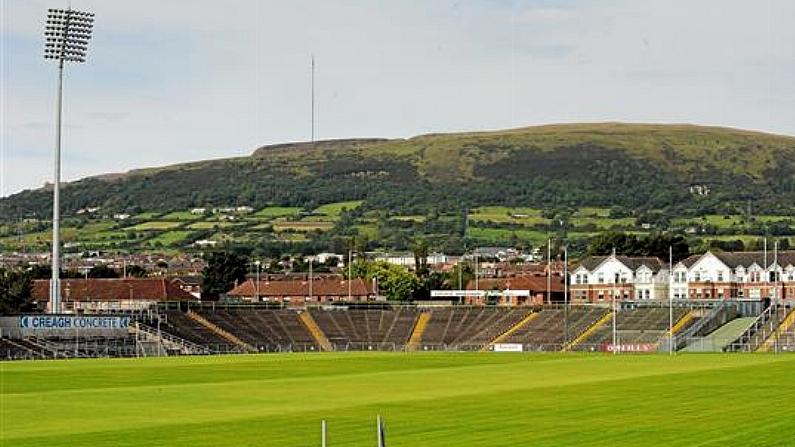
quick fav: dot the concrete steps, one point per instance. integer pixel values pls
(721, 337)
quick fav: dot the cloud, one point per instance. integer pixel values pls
(543, 15)
(108, 116)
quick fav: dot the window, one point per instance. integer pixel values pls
(601, 296)
(601, 278)
(697, 276)
(720, 276)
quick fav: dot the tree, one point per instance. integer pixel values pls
(604, 244)
(136, 271)
(223, 270)
(102, 271)
(421, 259)
(16, 292)
(394, 281)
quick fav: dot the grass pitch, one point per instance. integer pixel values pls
(427, 400)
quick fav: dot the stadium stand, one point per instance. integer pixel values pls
(763, 327)
(719, 339)
(265, 330)
(548, 333)
(773, 340)
(469, 328)
(236, 328)
(360, 329)
(641, 325)
(21, 350)
(178, 323)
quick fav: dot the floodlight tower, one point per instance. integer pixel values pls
(66, 39)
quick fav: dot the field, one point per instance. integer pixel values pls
(426, 399)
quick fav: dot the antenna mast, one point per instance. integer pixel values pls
(313, 99)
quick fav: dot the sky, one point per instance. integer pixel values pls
(176, 81)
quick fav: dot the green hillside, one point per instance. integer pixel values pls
(636, 166)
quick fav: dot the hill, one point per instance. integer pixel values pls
(635, 166)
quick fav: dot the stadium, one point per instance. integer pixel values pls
(219, 374)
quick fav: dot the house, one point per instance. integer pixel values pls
(117, 294)
(303, 292)
(517, 291)
(752, 275)
(408, 260)
(599, 279)
(189, 283)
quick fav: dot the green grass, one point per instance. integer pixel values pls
(181, 215)
(503, 214)
(334, 209)
(209, 225)
(603, 223)
(146, 216)
(772, 218)
(276, 211)
(171, 237)
(147, 226)
(302, 226)
(716, 220)
(427, 400)
(501, 236)
(590, 211)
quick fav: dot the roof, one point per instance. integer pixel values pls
(632, 262)
(116, 289)
(323, 287)
(635, 262)
(531, 283)
(690, 260)
(193, 280)
(760, 258)
(591, 262)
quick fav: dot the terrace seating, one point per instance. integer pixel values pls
(473, 326)
(634, 326)
(345, 328)
(21, 350)
(179, 324)
(548, 330)
(263, 329)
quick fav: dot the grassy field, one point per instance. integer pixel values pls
(427, 400)
(276, 211)
(334, 209)
(156, 225)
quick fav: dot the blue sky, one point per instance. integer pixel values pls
(176, 81)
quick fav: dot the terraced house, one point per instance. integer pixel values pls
(600, 279)
(755, 275)
(766, 276)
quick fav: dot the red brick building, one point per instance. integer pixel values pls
(517, 291)
(302, 292)
(103, 294)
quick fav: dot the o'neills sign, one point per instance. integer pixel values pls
(629, 347)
